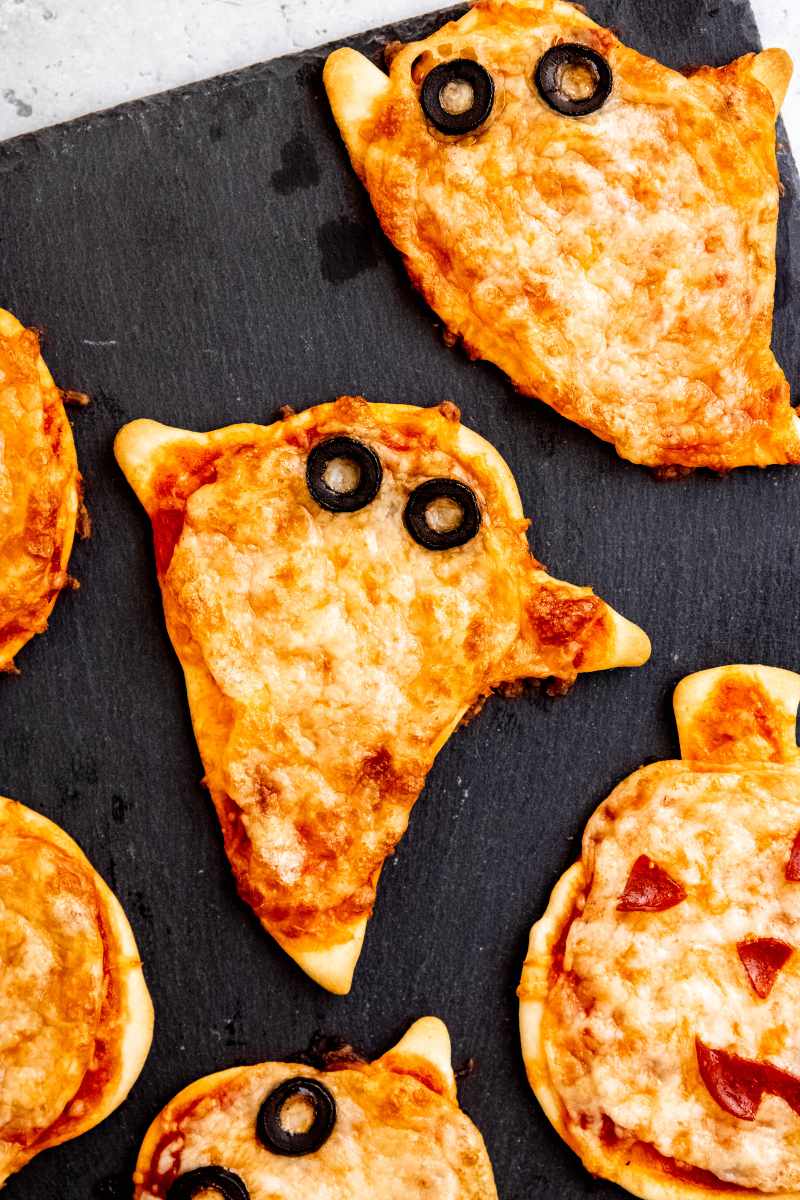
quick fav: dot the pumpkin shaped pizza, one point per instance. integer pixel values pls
(341, 587)
(40, 490)
(384, 1130)
(597, 225)
(75, 1013)
(659, 998)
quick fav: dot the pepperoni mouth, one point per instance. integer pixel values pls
(738, 1085)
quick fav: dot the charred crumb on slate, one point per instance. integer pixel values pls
(326, 1052)
(83, 525)
(465, 1069)
(346, 249)
(79, 399)
(299, 168)
(559, 687)
(670, 474)
(513, 689)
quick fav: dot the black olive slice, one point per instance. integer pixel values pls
(441, 514)
(458, 96)
(208, 1179)
(574, 79)
(271, 1132)
(343, 475)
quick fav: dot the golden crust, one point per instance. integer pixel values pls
(40, 489)
(72, 992)
(399, 1130)
(619, 267)
(317, 720)
(738, 780)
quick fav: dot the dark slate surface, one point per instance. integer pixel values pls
(204, 257)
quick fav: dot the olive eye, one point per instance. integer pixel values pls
(574, 79)
(441, 514)
(458, 96)
(296, 1101)
(343, 475)
(208, 1179)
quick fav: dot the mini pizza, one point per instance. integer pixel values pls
(381, 1130)
(600, 227)
(40, 490)
(659, 998)
(341, 587)
(76, 1020)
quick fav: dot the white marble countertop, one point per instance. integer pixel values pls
(63, 58)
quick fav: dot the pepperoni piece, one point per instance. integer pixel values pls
(738, 1084)
(762, 959)
(793, 865)
(649, 888)
(608, 1131)
(167, 529)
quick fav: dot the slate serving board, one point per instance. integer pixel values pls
(204, 257)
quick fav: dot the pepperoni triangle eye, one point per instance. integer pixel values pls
(762, 959)
(793, 865)
(649, 888)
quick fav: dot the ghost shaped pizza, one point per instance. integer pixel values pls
(75, 1016)
(40, 490)
(387, 1129)
(341, 587)
(659, 998)
(600, 227)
